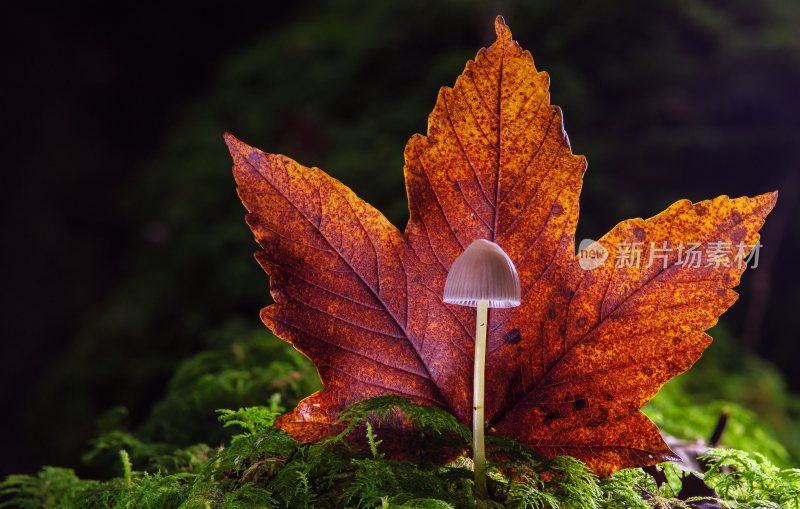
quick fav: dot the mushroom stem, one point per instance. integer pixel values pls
(478, 452)
(482, 276)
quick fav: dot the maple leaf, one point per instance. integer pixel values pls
(566, 372)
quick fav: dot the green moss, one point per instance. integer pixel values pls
(264, 467)
(250, 463)
(752, 480)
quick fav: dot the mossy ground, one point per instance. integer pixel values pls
(246, 462)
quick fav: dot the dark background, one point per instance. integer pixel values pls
(124, 249)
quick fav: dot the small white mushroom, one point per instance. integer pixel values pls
(483, 276)
(483, 272)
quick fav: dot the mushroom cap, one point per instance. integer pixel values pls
(483, 272)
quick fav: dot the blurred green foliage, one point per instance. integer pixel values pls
(248, 368)
(343, 87)
(763, 414)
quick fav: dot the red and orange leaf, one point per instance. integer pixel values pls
(568, 370)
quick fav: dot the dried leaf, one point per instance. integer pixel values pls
(568, 370)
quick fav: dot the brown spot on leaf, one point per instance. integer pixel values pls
(512, 337)
(551, 416)
(600, 417)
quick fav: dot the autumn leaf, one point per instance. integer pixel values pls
(566, 372)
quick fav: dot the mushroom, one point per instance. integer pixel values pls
(483, 277)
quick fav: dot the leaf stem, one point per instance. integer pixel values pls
(478, 452)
